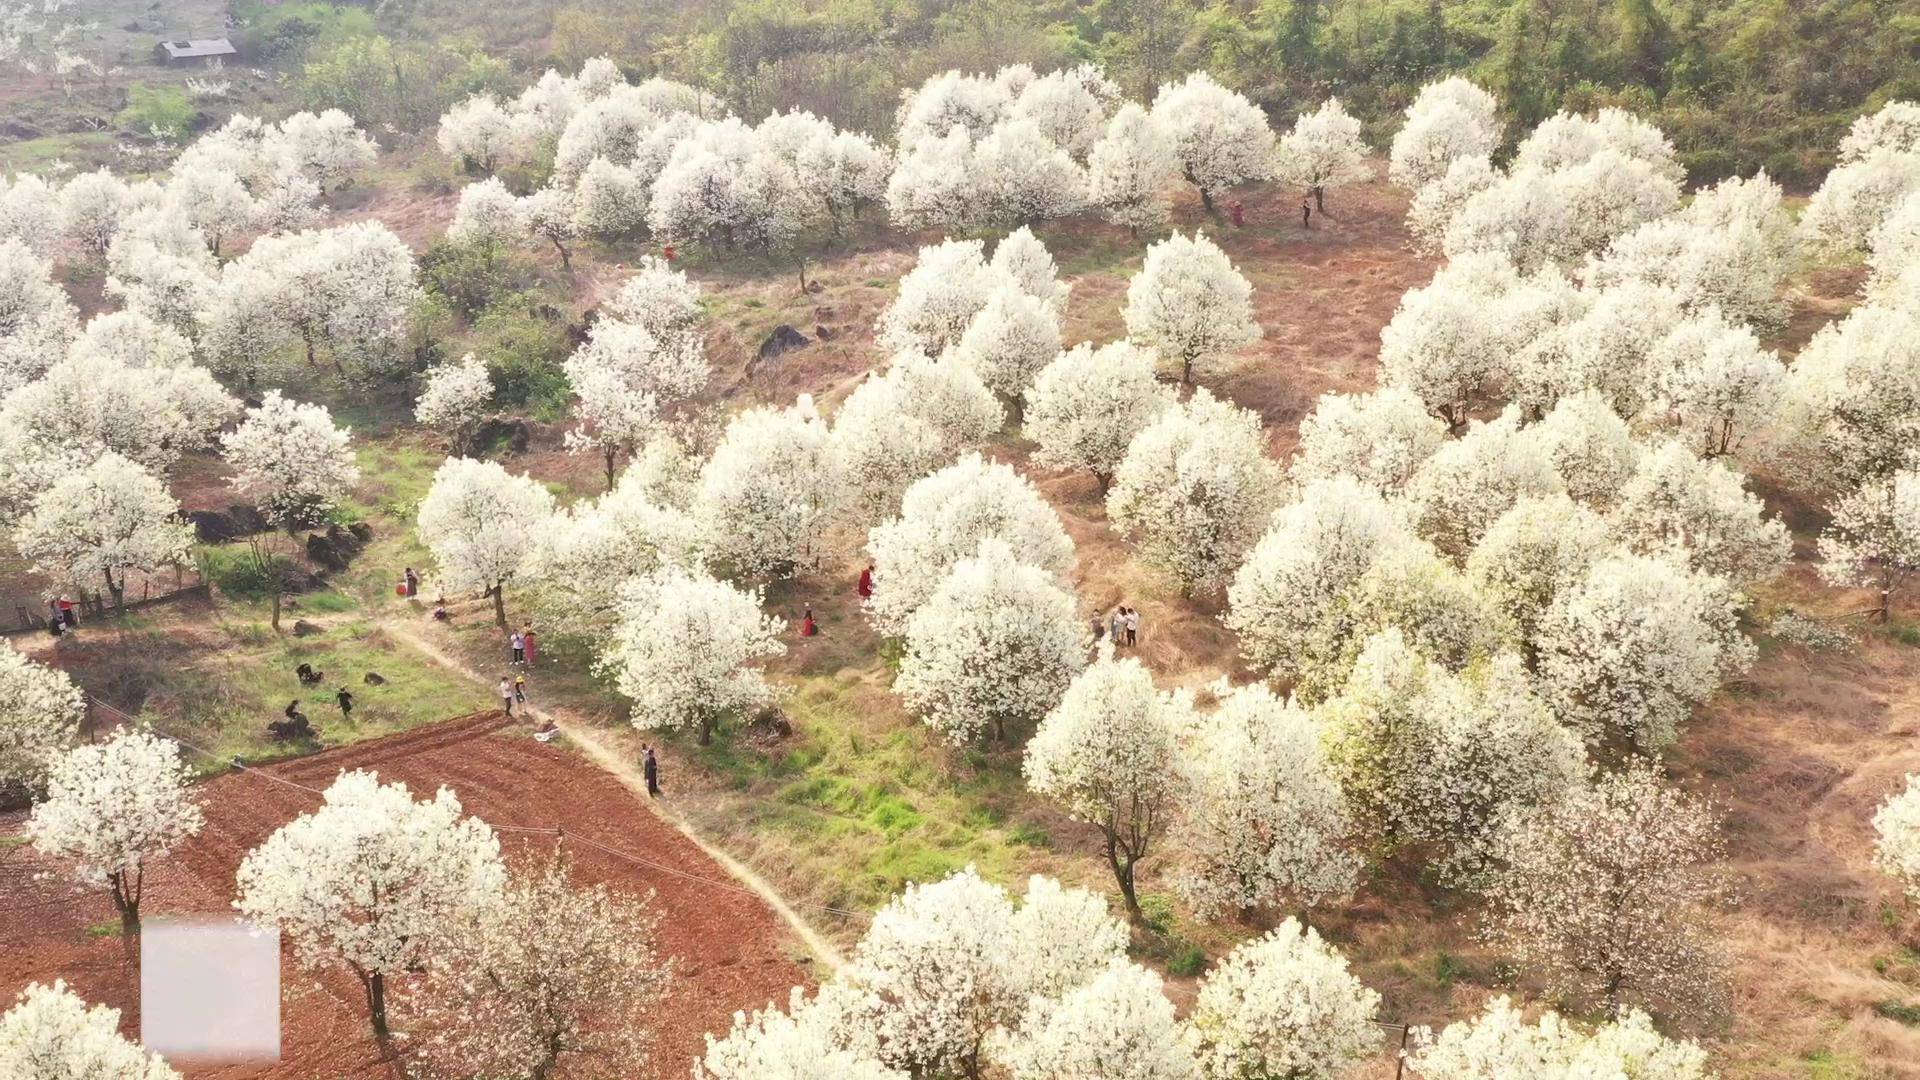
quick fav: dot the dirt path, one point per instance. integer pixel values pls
(601, 752)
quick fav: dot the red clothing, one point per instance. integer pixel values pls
(527, 641)
(866, 583)
(807, 629)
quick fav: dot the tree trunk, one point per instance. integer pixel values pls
(377, 1004)
(118, 592)
(612, 453)
(1186, 371)
(275, 618)
(126, 900)
(1320, 199)
(499, 591)
(801, 263)
(1123, 875)
(566, 257)
(706, 731)
(1206, 203)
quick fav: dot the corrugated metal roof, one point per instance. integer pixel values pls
(186, 50)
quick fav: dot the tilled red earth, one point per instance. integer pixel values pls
(730, 951)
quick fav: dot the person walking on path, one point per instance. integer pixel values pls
(865, 587)
(520, 688)
(1133, 627)
(528, 642)
(808, 627)
(506, 695)
(413, 583)
(518, 643)
(346, 704)
(1238, 212)
(1306, 213)
(651, 766)
(1117, 626)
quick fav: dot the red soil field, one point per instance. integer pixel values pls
(729, 950)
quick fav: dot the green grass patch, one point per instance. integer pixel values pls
(110, 928)
(1900, 1011)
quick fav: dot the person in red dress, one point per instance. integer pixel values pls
(807, 627)
(866, 582)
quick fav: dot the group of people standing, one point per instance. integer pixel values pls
(1123, 626)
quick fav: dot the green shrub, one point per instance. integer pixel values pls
(162, 109)
(469, 277)
(1191, 960)
(523, 352)
(1156, 910)
(234, 572)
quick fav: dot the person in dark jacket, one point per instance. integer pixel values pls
(651, 766)
(346, 704)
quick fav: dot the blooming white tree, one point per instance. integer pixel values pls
(590, 548)
(1500, 1042)
(373, 880)
(1069, 106)
(950, 101)
(326, 147)
(1541, 547)
(800, 1045)
(1129, 169)
(158, 264)
(1858, 196)
(1085, 407)
(1636, 645)
(943, 519)
(454, 400)
(1561, 209)
(1283, 1004)
(479, 134)
(1295, 579)
(1010, 340)
(90, 207)
(685, 650)
(938, 298)
(1700, 512)
(101, 523)
(1561, 869)
(291, 458)
(1734, 269)
(1428, 757)
(1220, 139)
(37, 321)
(770, 488)
(1119, 1026)
(1873, 541)
(1381, 438)
(1852, 404)
(347, 293)
(50, 1034)
(1023, 261)
(112, 808)
(994, 646)
(1265, 823)
(40, 712)
(481, 524)
(1437, 202)
(1608, 346)
(1588, 445)
(932, 185)
(1324, 150)
(1106, 753)
(490, 215)
(1019, 177)
(1717, 381)
(29, 213)
(547, 976)
(1474, 479)
(1449, 120)
(1189, 302)
(946, 966)
(1896, 827)
(900, 426)
(1195, 489)
(1566, 140)
(847, 170)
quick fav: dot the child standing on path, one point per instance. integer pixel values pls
(520, 688)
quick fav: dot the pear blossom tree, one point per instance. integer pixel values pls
(1608, 346)
(1264, 823)
(1561, 869)
(595, 545)
(296, 465)
(1449, 120)
(1069, 106)
(1717, 380)
(90, 207)
(1858, 196)
(1324, 150)
(1896, 827)
(1107, 754)
(50, 1034)
(1438, 201)
(1700, 512)
(902, 425)
(1283, 1004)
(1189, 302)
(37, 321)
(1588, 446)
(454, 400)
(102, 522)
(1474, 479)
(1129, 170)
(1381, 438)
(489, 215)
(374, 881)
(1119, 1026)
(1010, 340)
(994, 647)
(1195, 488)
(1500, 1042)
(550, 975)
(481, 525)
(1021, 177)
(951, 101)
(770, 488)
(327, 147)
(933, 184)
(479, 134)
(1630, 650)
(685, 650)
(40, 713)
(797, 1045)
(1873, 541)
(938, 298)
(1851, 409)
(847, 170)
(1023, 261)
(943, 518)
(112, 808)
(1220, 139)
(1085, 406)
(1541, 547)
